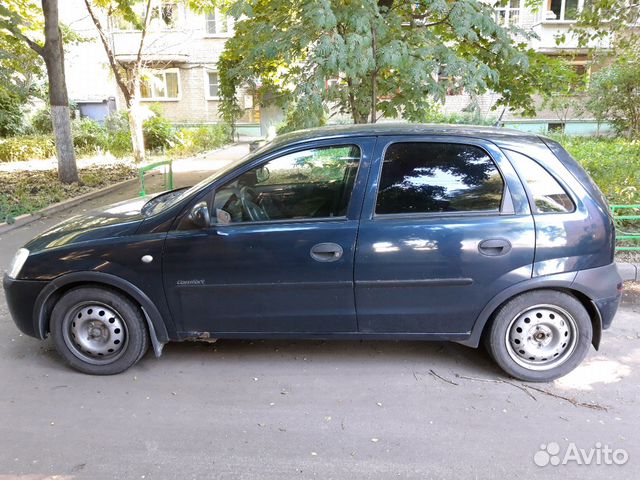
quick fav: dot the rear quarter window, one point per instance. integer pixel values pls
(547, 194)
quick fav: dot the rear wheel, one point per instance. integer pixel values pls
(98, 331)
(540, 335)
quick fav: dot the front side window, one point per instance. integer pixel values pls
(314, 183)
(547, 194)
(438, 177)
(160, 85)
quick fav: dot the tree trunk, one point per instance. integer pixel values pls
(135, 119)
(53, 55)
(135, 126)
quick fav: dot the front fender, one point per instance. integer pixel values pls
(46, 299)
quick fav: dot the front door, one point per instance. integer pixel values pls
(445, 227)
(279, 255)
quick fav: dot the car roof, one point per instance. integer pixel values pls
(378, 129)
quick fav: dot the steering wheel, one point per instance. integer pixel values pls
(254, 211)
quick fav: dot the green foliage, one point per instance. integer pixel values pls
(29, 193)
(614, 95)
(613, 163)
(20, 66)
(88, 136)
(27, 147)
(11, 116)
(191, 141)
(116, 126)
(371, 58)
(608, 19)
(41, 122)
(464, 118)
(159, 134)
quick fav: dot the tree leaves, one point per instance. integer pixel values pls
(369, 58)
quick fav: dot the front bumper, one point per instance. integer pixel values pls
(21, 298)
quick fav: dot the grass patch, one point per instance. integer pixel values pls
(613, 163)
(28, 192)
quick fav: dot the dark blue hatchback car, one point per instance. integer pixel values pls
(371, 232)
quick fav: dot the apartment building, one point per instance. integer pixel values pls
(182, 49)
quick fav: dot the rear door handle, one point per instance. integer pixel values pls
(494, 247)
(326, 252)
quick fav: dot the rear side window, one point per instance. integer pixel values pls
(438, 177)
(548, 195)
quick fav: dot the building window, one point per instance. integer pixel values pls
(213, 83)
(559, 10)
(509, 14)
(160, 85)
(217, 23)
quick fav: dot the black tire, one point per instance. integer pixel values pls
(98, 331)
(539, 336)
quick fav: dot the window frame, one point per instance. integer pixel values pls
(164, 72)
(563, 11)
(363, 165)
(530, 197)
(507, 10)
(216, 34)
(207, 84)
(507, 205)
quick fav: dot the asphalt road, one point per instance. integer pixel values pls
(310, 409)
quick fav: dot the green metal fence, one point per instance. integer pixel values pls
(627, 221)
(168, 175)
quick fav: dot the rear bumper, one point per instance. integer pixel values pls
(21, 298)
(603, 286)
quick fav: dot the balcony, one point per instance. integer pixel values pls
(549, 29)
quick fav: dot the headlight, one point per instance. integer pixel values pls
(18, 261)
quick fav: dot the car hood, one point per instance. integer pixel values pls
(115, 220)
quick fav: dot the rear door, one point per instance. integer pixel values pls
(445, 227)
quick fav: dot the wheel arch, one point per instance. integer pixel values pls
(50, 295)
(565, 285)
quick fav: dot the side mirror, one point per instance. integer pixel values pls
(199, 215)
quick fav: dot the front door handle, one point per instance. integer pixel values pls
(494, 247)
(326, 252)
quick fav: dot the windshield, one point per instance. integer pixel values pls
(168, 199)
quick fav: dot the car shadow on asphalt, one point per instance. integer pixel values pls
(424, 356)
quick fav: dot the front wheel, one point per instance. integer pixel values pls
(98, 331)
(540, 335)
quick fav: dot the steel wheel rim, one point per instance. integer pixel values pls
(95, 333)
(541, 337)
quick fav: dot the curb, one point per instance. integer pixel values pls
(629, 271)
(28, 218)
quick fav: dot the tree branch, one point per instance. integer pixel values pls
(110, 54)
(33, 45)
(143, 34)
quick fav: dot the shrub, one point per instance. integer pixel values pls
(191, 141)
(28, 147)
(118, 134)
(159, 134)
(88, 136)
(11, 117)
(613, 163)
(41, 122)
